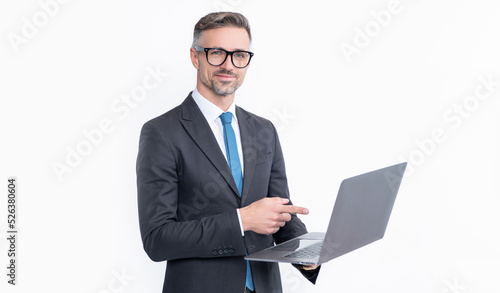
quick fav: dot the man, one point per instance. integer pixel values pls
(211, 177)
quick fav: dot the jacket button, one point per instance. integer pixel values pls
(231, 251)
(214, 252)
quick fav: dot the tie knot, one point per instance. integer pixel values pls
(226, 117)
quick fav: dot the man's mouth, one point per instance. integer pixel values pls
(225, 76)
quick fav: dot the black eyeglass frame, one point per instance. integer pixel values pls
(201, 49)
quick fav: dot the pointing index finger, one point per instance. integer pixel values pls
(295, 210)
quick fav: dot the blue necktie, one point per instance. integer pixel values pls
(233, 160)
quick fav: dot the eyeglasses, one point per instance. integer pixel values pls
(217, 56)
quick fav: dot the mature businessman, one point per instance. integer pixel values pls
(211, 176)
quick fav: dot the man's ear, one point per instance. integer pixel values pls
(194, 58)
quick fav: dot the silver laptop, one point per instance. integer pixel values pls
(360, 216)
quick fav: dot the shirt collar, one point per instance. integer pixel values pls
(210, 110)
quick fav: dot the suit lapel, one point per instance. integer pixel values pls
(248, 135)
(197, 127)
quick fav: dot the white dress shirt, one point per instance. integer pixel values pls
(211, 113)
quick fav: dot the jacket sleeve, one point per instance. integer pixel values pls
(295, 227)
(278, 187)
(163, 236)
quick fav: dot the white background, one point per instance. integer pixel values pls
(395, 97)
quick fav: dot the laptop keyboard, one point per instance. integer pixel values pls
(311, 251)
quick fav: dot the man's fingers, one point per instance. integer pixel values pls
(284, 217)
(281, 200)
(290, 208)
(294, 210)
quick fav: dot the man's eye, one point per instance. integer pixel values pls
(239, 54)
(215, 52)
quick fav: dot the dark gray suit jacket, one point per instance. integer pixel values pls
(188, 199)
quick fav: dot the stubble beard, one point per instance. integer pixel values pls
(223, 88)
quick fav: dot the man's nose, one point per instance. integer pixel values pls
(228, 64)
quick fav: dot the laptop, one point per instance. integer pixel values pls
(360, 216)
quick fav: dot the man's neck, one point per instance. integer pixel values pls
(221, 101)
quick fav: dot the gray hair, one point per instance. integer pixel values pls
(218, 20)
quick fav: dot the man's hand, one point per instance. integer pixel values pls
(267, 215)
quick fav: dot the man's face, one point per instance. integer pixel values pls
(226, 78)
